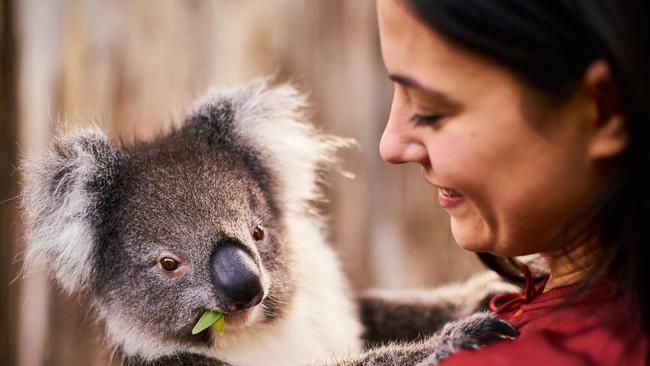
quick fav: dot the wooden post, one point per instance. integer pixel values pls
(8, 188)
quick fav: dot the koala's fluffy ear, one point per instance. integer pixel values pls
(61, 196)
(273, 120)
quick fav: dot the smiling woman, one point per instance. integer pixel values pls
(528, 118)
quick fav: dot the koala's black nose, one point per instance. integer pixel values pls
(236, 277)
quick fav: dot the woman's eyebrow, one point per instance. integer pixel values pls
(410, 83)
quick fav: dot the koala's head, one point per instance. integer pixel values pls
(157, 232)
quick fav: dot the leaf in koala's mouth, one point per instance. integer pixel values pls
(208, 318)
(220, 325)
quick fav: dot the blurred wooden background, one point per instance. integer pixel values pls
(132, 67)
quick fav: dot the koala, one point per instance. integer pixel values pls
(216, 214)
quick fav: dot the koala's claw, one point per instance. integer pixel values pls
(489, 329)
(506, 330)
(495, 326)
(470, 334)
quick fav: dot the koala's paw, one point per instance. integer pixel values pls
(469, 334)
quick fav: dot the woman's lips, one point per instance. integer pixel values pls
(449, 198)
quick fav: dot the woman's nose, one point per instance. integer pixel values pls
(400, 143)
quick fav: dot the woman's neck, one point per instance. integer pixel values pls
(571, 266)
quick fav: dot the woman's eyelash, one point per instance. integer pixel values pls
(426, 120)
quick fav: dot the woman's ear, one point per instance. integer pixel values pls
(610, 133)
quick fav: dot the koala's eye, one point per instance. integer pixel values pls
(168, 264)
(258, 233)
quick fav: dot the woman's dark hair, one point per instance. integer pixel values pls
(549, 44)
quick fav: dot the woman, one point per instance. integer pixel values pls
(530, 119)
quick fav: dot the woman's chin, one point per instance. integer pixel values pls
(475, 247)
(471, 239)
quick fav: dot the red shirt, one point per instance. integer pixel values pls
(599, 328)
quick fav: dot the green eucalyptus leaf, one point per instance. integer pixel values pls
(220, 325)
(208, 318)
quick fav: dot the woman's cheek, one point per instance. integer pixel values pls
(474, 225)
(456, 167)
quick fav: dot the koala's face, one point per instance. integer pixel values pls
(191, 225)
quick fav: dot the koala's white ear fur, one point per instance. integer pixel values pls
(60, 196)
(273, 120)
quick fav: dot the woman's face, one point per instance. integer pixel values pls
(509, 169)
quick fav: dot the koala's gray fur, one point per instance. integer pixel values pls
(100, 217)
(409, 315)
(422, 327)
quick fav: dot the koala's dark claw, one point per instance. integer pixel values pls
(471, 333)
(505, 330)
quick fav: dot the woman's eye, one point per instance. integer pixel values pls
(258, 233)
(426, 120)
(168, 264)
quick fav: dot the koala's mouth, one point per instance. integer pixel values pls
(246, 316)
(240, 319)
(237, 319)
